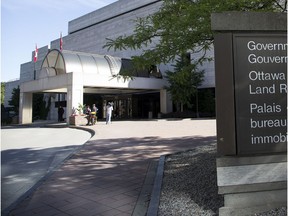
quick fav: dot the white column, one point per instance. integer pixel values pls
(74, 94)
(25, 108)
(165, 102)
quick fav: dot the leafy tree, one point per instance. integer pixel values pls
(2, 92)
(181, 26)
(183, 82)
(14, 102)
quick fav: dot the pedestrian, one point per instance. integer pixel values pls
(60, 113)
(88, 114)
(109, 109)
(93, 114)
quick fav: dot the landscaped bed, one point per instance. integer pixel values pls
(190, 185)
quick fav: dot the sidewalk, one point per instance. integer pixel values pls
(106, 177)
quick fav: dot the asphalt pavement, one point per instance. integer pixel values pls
(29, 154)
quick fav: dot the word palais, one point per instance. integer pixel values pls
(84, 72)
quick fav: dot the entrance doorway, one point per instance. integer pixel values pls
(126, 106)
(122, 106)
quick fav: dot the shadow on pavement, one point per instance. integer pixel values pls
(21, 169)
(105, 175)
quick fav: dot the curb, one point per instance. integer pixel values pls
(91, 131)
(156, 191)
(143, 200)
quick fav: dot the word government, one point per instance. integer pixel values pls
(252, 45)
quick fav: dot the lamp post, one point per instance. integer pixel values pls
(197, 107)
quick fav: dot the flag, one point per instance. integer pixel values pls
(61, 42)
(36, 54)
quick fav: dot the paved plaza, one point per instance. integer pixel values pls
(107, 175)
(28, 154)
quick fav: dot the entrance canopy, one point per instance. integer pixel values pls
(56, 63)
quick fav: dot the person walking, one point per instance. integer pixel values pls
(93, 117)
(88, 113)
(109, 109)
(60, 114)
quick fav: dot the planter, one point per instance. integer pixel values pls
(78, 120)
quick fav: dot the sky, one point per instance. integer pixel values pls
(25, 23)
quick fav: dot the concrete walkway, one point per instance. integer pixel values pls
(106, 177)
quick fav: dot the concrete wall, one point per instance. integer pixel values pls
(26, 72)
(115, 9)
(108, 22)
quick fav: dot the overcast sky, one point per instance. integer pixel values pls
(25, 23)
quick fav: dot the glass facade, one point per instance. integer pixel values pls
(126, 106)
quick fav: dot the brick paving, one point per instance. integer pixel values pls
(106, 177)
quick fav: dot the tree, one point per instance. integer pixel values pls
(207, 102)
(181, 26)
(2, 92)
(183, 82)
(14, 102)
(40, 109)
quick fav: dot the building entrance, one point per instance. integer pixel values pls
(126, 106)
(122, 106)
(136, 106)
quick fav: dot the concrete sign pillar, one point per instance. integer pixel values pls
(25, 109)
(251, 99)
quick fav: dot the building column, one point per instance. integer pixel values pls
(74, 94)
(166, 105)
(25, 108)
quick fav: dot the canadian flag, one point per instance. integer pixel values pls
(36, 54)
(61, 42)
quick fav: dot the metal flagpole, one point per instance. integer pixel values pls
(35, 60)
(61, 42)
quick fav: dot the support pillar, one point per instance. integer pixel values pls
(74, 94)
(25, 108)
(165, 102)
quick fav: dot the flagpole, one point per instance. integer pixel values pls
(35, 60)
(61, 42)
(34, 71)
